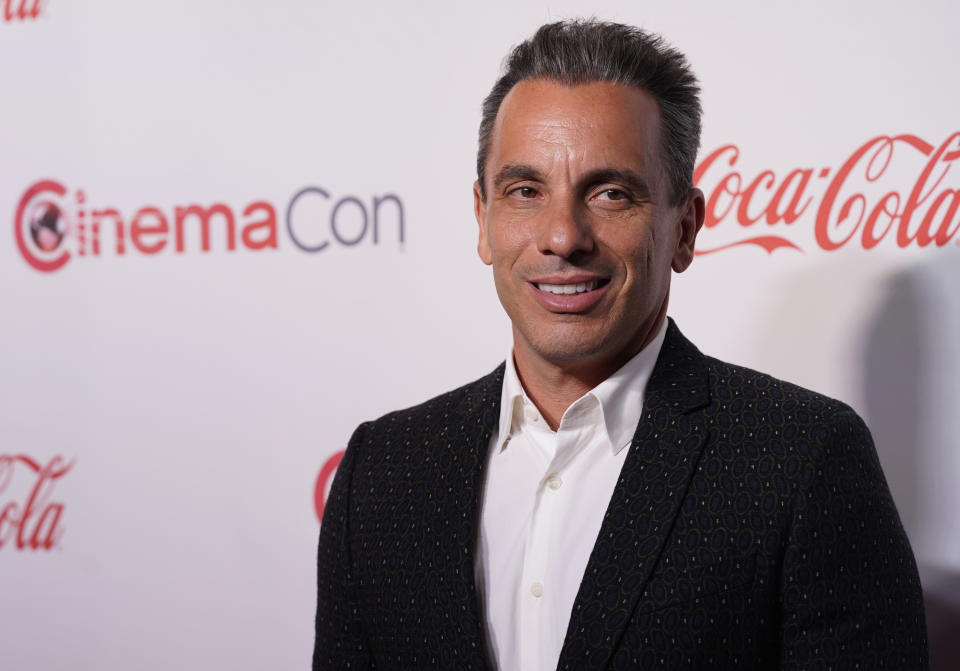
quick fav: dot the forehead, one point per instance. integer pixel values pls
(585, 127)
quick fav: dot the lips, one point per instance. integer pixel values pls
(569, 295)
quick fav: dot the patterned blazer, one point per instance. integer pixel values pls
(751, 528)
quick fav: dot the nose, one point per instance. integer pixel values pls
(565, 229)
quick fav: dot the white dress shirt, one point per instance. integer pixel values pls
(544, 497)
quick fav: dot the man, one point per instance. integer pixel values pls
(609, 497)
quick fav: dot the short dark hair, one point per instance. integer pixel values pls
(584, 51)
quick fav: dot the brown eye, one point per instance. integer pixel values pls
(526, 192)
(612, 198)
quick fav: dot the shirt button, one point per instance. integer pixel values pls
(554, 483)
(536, 589)
(532, 414)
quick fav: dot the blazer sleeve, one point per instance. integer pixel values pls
(340, 641)
(850, 592)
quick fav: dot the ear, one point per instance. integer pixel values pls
(480, 211)
(690, 222)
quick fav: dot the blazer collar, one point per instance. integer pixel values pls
(453, 501)
(645, 502)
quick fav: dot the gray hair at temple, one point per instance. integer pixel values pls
(585, 51)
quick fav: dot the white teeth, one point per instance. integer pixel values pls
(569, 288)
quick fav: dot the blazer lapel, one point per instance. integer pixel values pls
(645, 502)
(455, 507)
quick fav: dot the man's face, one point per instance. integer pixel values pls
(577, 223)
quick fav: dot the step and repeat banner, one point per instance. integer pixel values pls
(232, 231)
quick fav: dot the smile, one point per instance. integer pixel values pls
(579, 288)
(573, 295)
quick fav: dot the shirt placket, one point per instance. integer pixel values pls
(534, 597)
(536, 609)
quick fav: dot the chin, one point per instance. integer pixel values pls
(566, 351)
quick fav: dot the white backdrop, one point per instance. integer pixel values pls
(194, 396)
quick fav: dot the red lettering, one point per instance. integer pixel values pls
(822, 223)
(204, 216)
(23, 12)
(917, 197)
(708, 160)
(712, 218)
(794, 209)
(47, 532)
(268, 224)
(870, 239)
(139, 230)
(28, 509)
(99, 215)
(8, 516)
(15, 520)
(843, 211)
(943, 234)
(743, 215)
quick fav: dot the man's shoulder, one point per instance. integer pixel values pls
(748, 401)
(731, 382)
(730, 388)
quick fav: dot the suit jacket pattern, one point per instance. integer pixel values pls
(751, 528)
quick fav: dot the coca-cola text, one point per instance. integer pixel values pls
(856, 207)
(32, 523)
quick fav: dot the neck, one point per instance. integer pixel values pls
(553, 386)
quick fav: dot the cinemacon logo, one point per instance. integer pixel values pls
(53, 224)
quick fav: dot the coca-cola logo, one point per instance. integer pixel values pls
(324, 479)
(865, 202)
(21, 10)
(52, 225)
(29, 519)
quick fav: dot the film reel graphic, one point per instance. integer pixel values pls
(41, 226)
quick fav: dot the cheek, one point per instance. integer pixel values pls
(508, 240)
(631, 246)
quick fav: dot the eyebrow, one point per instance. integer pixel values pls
(518, 171)
(629, 178)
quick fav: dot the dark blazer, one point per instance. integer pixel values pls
(751, 528)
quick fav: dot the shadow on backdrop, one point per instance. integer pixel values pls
(913, 427)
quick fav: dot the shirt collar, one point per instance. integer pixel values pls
(512, 398)
(620, 396)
